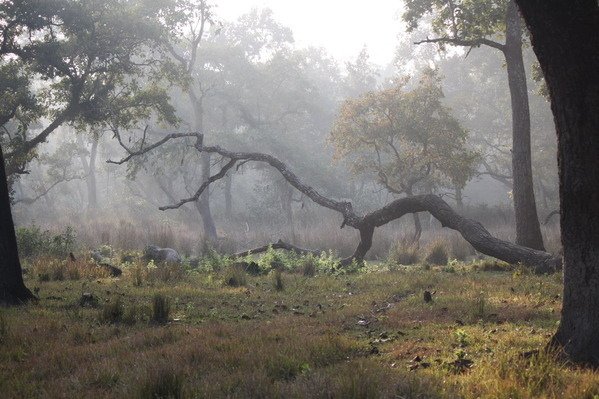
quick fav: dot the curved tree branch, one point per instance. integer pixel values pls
(472, 231)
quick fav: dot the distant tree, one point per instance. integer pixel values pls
(89, 60)
(189, 23)
(407, 138)
(475, 23)
(565, 39)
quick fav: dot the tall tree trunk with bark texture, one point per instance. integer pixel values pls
(12, 287)
(528, 228)
(566, 40)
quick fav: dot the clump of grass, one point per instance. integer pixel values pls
(459, 248)
(480, 305)
(3, 328)
(437, 253)
(285, 368)
(403, 253)
(164, 383)
(308, 267)
(277, 280)
(112, 312)
(161, 309)
(52, 269)
(235, 276)
(490, 265)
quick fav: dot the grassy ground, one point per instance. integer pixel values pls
(362, 335)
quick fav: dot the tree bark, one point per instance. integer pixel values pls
(203, 203)
(565, 39)
(528, 229)
(472, 231)
(12, 287)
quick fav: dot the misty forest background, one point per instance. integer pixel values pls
(258, 91)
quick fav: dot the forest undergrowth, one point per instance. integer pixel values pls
(281, 325)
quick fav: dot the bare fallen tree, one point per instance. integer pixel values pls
(472, 231)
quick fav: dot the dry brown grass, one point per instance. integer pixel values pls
(340, 336)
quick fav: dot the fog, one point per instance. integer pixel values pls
(295, 80)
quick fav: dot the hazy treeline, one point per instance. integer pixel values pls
(261, 92)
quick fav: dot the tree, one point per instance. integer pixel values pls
(189, 22)
(564, 37)
(473, 24)
(407, 139)
(88, 60)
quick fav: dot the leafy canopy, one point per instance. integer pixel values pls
(407, 138)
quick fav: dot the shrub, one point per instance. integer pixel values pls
(308, 266)
(51, 269)
(112, 312)
(277, 279)
(403, 253)
(437, 254)
(271, 260)
(162, 384)
(32, 242)
(235, 276)
(161, 309)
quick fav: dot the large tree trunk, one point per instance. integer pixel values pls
(565, 39)
(12, 287)
(528, 229)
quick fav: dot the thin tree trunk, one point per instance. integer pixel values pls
(287, 206)
(565, 39)
(229, 196)
(528, 229)
(203, 203)
(92, 188)
(12, 287)
(459, 199)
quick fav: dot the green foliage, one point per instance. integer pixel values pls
(406, 137)
(464, 19)
(212, 261)
(272, 259)
(33, 241)
(92, 67)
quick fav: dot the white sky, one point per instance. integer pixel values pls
(342, 27)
